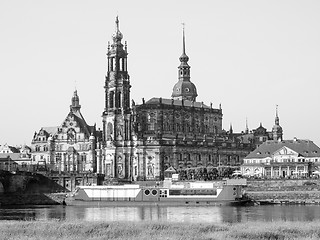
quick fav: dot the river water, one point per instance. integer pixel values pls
(205, 214)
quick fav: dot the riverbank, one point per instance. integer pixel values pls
(284, 191)
(82, 230)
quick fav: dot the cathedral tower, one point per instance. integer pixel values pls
(184, 89)
(117, 112)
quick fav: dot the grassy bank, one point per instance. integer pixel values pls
(157, 230)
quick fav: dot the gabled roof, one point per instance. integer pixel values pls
(305, 148)
(50, 130)
(82, 122)
(167, 101)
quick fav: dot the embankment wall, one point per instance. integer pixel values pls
(285, 190)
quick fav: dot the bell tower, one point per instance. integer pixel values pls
(117, 112)
(184, 89)
(117, 83)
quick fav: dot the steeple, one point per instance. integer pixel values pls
(277, 117)
(247, 128)
(277, 131)
(184, 89)
(231, 129)
(75, 106)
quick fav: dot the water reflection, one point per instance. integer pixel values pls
(208, 214)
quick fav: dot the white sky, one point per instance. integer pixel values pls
(247, 55)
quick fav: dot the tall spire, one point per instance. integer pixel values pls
(247, 128)
(184, 89)
(184, 58)
(277, 129)
(184, 44)
(277, 117)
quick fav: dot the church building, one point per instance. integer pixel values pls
(140, 141)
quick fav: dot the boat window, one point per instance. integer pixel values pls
(154, 192)
(147, 192)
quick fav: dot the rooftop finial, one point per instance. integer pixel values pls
(117, 36)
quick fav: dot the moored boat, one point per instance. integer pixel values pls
(168, 192)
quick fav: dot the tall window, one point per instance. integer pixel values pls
(111, 99)
(119, 100)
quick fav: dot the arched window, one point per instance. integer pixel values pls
(120, 64)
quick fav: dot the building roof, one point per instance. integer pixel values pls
(51, 130)
(167, 101)
(305, 148)
(13, 156)
(11, 149)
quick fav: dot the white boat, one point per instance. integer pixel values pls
(168, 192)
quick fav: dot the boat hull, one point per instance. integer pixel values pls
(96, 203)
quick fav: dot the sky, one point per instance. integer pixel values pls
(248, 55)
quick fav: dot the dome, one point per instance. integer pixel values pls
(184, 58)
(184, 90)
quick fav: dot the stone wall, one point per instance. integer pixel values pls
(283, 185)
(303, 191)
(31, 199)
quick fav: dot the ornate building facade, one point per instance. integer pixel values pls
(70, 147)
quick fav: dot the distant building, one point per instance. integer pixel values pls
(8, 149)
(282, 159)
(15, 158)
(261, 134)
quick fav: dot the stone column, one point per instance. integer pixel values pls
(280, 171)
